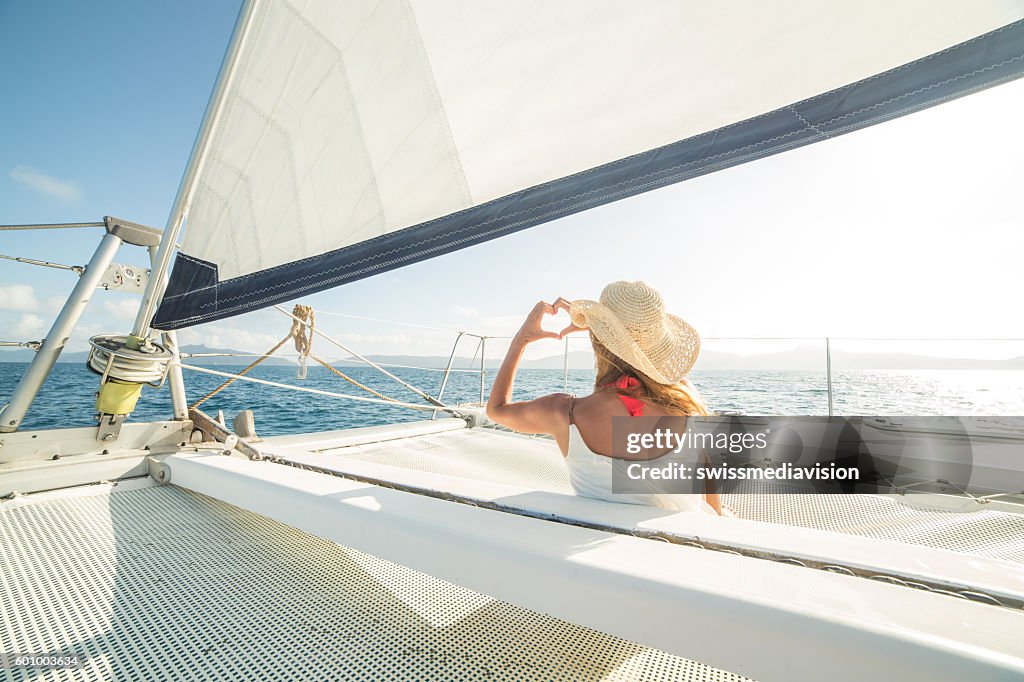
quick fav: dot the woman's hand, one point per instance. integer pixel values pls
(531, 330)
(563, 304)
(548, 414)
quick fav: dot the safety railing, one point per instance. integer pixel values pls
(826, 339)
(826, 343)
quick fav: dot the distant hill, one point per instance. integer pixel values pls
(224, 357)
(813, 357)
(802, 358)
(221, 360)
(577, 360)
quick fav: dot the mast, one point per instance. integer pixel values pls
(214, 109)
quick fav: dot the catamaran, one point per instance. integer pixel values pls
(346, 139)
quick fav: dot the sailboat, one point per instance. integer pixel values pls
(343, 140)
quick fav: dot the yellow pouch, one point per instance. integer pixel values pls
(117, 397)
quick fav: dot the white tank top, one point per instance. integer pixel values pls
(591, 476)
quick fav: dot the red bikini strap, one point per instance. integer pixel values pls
(635, 406)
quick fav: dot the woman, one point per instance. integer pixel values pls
(642, 355)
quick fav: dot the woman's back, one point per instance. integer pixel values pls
(593, 416)
(589, 453)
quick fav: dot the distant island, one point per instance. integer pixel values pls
(221, 357)
(801, 358)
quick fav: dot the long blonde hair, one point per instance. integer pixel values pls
(681, 398)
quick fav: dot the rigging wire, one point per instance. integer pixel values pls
(34, 345)
(705, 338)
(425, 369)
(316, 391)
(295, 355)
(396, 322)
(312, 330)
(303, 319)
(450, 330)
(50, 226)
(78, 269)
(239, 375)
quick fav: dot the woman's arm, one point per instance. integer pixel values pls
(542, 415)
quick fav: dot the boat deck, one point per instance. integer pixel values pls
(497, 457)
(160, 582)
(149, 582)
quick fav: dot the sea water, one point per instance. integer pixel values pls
(68, 396)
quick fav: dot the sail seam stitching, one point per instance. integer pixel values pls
(402, 253)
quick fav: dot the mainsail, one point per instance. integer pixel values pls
(351, 138)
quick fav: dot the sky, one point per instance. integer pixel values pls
(909, 229)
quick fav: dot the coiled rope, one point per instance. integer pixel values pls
(303, 324)
(114, 357)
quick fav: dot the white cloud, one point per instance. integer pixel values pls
(18, 297)
(125, 308)
(27, 327)
(38, 181)
(508, 325)
(232, 338)
(54, 304)
(464, 311)
(367, 339)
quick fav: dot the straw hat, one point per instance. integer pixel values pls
(631, 322)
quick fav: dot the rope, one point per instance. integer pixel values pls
(304, 346)
(425, 396)
(240, 374)
(353, 381)
(303, 318)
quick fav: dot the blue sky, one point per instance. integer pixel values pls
(910, 229)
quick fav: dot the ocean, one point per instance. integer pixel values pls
(68, 395)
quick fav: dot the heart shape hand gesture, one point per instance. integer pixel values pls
(532, 329)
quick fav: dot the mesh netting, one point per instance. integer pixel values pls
(982, 533)
(491, 455)
(162, 584)
(477, 454)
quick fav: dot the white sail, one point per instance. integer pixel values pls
(354, 137)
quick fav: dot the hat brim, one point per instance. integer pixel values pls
(674, 356)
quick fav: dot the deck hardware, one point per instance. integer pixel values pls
(793, 562)
(158, 471)
(229, 443)
(135, 234)
(31, 345)
(245, 425)
(130, 278)
(215, 431)
(980, 597)
(109, 427)
(837, 569)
